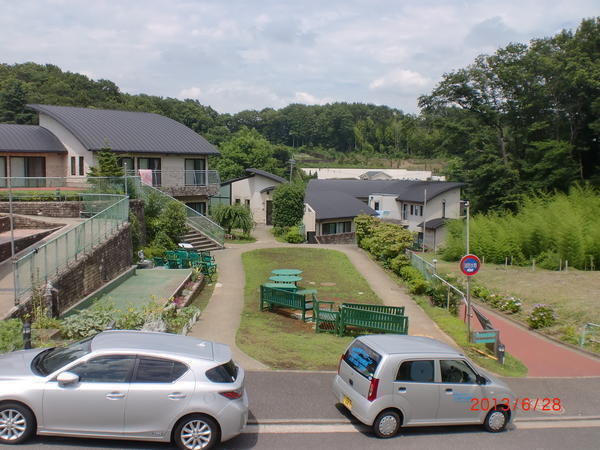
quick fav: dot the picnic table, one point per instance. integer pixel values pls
(286, 272)
(285, 278)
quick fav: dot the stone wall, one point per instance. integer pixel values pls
(343, 238)
(136, 207)
(4, 224)
(49, 209)
(90, 272)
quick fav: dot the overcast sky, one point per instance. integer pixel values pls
(235, 54)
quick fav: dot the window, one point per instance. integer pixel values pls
(443, 209)
(416, 371)
(237, 201)
(404, 211)
(195, 172)
(457, 371)
(412, 210)
(247, 203)
(126, 163)
(3, 171)
(376, 206)
(157, 370)
(225, 373)
(420, 210)
(154, 165)
(199, 207)
(81, 165)
(73, 169)
(54, 358)
(362, 359)
(337, 227)
(105, 369)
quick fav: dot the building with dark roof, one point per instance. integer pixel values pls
(331, 205)
(253, 190)
(166, 153)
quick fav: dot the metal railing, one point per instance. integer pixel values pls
(32, 186)
(110, 212)
(595, 330)
(195, 220)
(172, 178)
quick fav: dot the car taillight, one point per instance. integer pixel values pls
(373, 389)
(233, 395)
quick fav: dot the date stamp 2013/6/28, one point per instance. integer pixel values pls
(548, 404)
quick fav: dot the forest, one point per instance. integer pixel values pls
(522, 121)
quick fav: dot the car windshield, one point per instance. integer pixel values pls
(54, 358)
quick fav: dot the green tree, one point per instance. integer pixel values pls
(288, 204)
(233, 217)
(108, 164)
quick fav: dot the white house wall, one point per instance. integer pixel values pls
(388, 204)
(250, 189)
(309, 219)
(74, 147)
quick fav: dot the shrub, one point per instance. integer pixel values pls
(151, 252)
(480, 292)
(542, 316)
(398, 263)
(234, 217)
(88, 322)
(11, 335)
(294, 236)
(131, 319)
(409, 273)
(511, 305)
(280, 231)
(288, 204)
(418, 286)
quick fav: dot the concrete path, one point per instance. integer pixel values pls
(221, 318)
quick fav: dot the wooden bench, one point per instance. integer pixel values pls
(325, 317)
(285, 298)
(397, 310)
(282, 286)
(350, 315)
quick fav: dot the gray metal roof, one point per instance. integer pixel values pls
(404, 190)
(335, 204)
(266, 174)
(434, 224)
(28, 139)
(128, 131)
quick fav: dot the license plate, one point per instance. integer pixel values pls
(347, 402)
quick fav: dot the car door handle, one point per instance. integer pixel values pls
(402, 389)
(448, 391)
(176, 396)
(115, 395)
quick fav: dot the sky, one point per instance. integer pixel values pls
(235, 55)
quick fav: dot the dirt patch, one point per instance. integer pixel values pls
(327, 283)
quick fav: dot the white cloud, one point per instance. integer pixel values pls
(309, 99)
(403, 80)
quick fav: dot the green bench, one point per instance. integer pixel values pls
(282, 286)
(325, 317)
(397, 310)
(350, 315)
(270, 297)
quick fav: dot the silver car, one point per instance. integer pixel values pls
(125, 385)
(388, 381)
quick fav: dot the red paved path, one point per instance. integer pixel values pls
(543, 357)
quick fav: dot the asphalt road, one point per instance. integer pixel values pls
(295, 410)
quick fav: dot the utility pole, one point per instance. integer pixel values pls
(12, 234)
(424, 218)
(292, 161)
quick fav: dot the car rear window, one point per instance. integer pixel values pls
(225, 373)
(362, 359)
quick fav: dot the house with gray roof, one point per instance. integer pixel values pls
(253, 190)
(420, 206)
(172, 157)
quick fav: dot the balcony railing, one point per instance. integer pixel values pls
(181, 178)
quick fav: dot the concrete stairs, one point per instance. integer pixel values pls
(199, 241)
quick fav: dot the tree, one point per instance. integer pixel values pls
(288, 204)
(108, 164)
(232, 217)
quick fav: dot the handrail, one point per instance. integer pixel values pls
(195, 220)
(50, 257)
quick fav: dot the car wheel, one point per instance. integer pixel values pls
(196, 432)
(17, 423)
(386, 424)
(496, 421)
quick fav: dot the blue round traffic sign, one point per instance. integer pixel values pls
(470, 264)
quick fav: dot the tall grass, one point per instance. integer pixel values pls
(551, 229)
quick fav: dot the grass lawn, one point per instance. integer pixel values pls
(283, 342)
(574, 295)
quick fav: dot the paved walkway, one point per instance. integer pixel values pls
(543, 357)
(221, 318)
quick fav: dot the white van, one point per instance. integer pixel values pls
(387, 381)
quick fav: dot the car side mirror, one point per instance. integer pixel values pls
(66, 378)
(480, 379)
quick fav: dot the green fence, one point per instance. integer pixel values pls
(425, 267)
(110, 212)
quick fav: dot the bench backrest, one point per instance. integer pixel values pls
(397, 310)
(281, 297)
(373, 320)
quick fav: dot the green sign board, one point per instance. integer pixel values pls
(484, 337)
